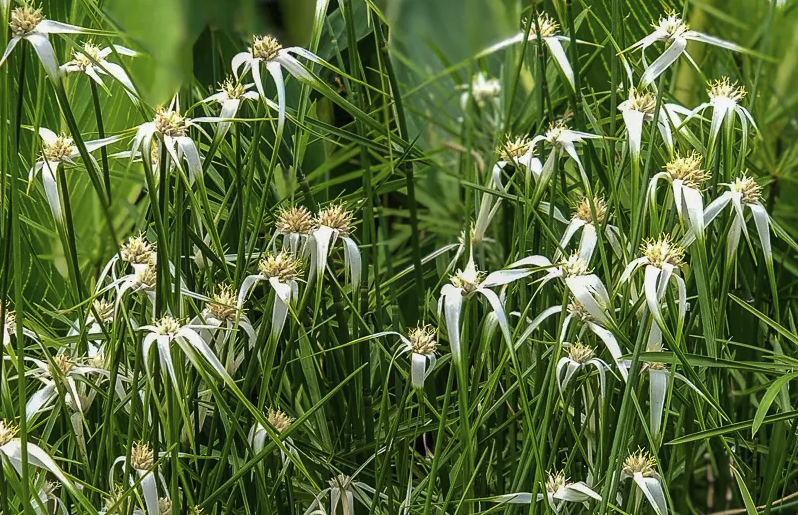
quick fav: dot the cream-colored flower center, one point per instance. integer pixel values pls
(170, 123)
(512, 149)
(167, 326)
(661, 251)
(555, 482)
(142, 457)
(556, 131)
(61, 363)
(750, 190)
(232, 89)
(282, 266)
(341, 481)
(484, 89)
(468, 280)
(104, 309)
(25, 19)
(422, 340)
(279, 419)
(222, 304)
(83, 58)
(688, 170)
(724, 90)
(640, 462)
(655, 366)
(137, 250)
(578, 311)
(581, 353)
(336, 217)
(49, 488)
(642, 101)
(548, 27)
(672, 25)
(164, 506)
(11, 322)
(8, 430)
(575, 266)
(145, 277)
(59, 150)
(265, 47)
(296, 220)
(584, 213)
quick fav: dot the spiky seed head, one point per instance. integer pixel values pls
(137, 250)
(265, 47)
(8, 430)
(584, 213)
(59, 150)
(341, 481)
(655, 366)
(25, 19)
(296, 220)
(167, 325)
(104, 309)
(164, 506)
(114, 498)
(62, 364)
(725, 91)
(514, 148)
(86, 57)
(575, 266)
(422, 340)
(577, 310)
(232, 88)
(142, 457)
(642, 101)
(279, 419)
(145, 278)
(222, 304)
(581, 353)
(556, 481)
(548, 27)
(170, 123)
(98, 360)
(556, 130)
(468, 280)
(672, 24)
(282, 266)
(640, 462)
(336, 217)
(750, 190)
(661, 251)
(688, 170)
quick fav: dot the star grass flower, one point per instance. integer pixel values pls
(483, 90)
(221, 317)
(639, 108)
(675, 33)
(282, 272)
(333, 223)
(295, 225)
(49, 494)
(724, 100)
(11, 450)
(105, 314)
(343, 490)
(57, 151)
(549, 29)
(659, 378)
(28, 23)
(142, 464)
(686, 176)
(92, 60)
(229, 96)
(583, 219)
(267, 50)
(167, 331)
(562, 141)
(62, 370)
(662, 259)
(640, 466)
(136, 252)
(579, 356)
(279, 422)
(421, 343)
(518, 152)
(10, 328)
(559, 490)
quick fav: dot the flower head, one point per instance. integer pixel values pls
(512, 149)
(581, 353)
(584, 213)
(170, 122)
(555, 482)
(11, 322)
(422, 340)
(548, 27)
(642, 101)
(577, 310)
(672, 25)
(341, 481)
(265, 47)
(146, 277)
(336, 217)
(469, 279)
(283, 266)
(49, 488)
(8, 431)
(87, 56)
(61, 363)
(142, 457)
(557, 129)
(688, 170)
(279, 419)
(222, 304)
(296, 220)
(640, 462)
(167, 325)
(651, 365)
(232, 88)
(59, 150)
(662, 251)
(750, 190)
(104, 309)
(24, 19)
(164, 506)
(575, 266)
(724, 91)
(484, 89)
(137, 250)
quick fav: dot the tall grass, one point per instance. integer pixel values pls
(438, 257)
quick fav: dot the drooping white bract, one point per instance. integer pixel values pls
(142, 465)
(258, 435)
(295, 225)
(58, 150)
(562, 140)
(583, 219)
(559, 490)
(281, 271)
(579, 356)
(659, 381)
(421, 344)
(686, 177)
(230, 95)
(675, 33)
(11, 450)
(639, 108)
(62, 369)
(29, 24)
(343, 492)
(640, 467)
(331, 224)
(92, 60)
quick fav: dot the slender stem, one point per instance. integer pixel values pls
(98, 115)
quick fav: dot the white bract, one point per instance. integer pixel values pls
(230, 95)
(583, 219)
(258, 435)
(343, 492)
(92, 61)
(559, 490)
(29, 24)
(421, 344)
(10, 329)
(562, 140)
(281, 272)
(331, 224)
(675, 33)
(579, 356)
(142, 462)
(686, 177)
(640, 467)
(220, 319)
(11, 451)
(58, 150)
(639, 108)
(62, 369)
(659, 381)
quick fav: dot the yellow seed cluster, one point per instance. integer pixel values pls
(336, 217)
(170, 123)
(279, 419)
(688, 170)
(59, 150)
(422, 340)
(142, 457)
(222, 304)
(282, 266)
(87, 56)
(581, 353)
(514, 148)
(662, 251)
(750, 190)
(584, 213)
(24, 19)
(8, 430)
(265, 47)
(642, 101)
(640, 462)
(723, 89)
(296, 220)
